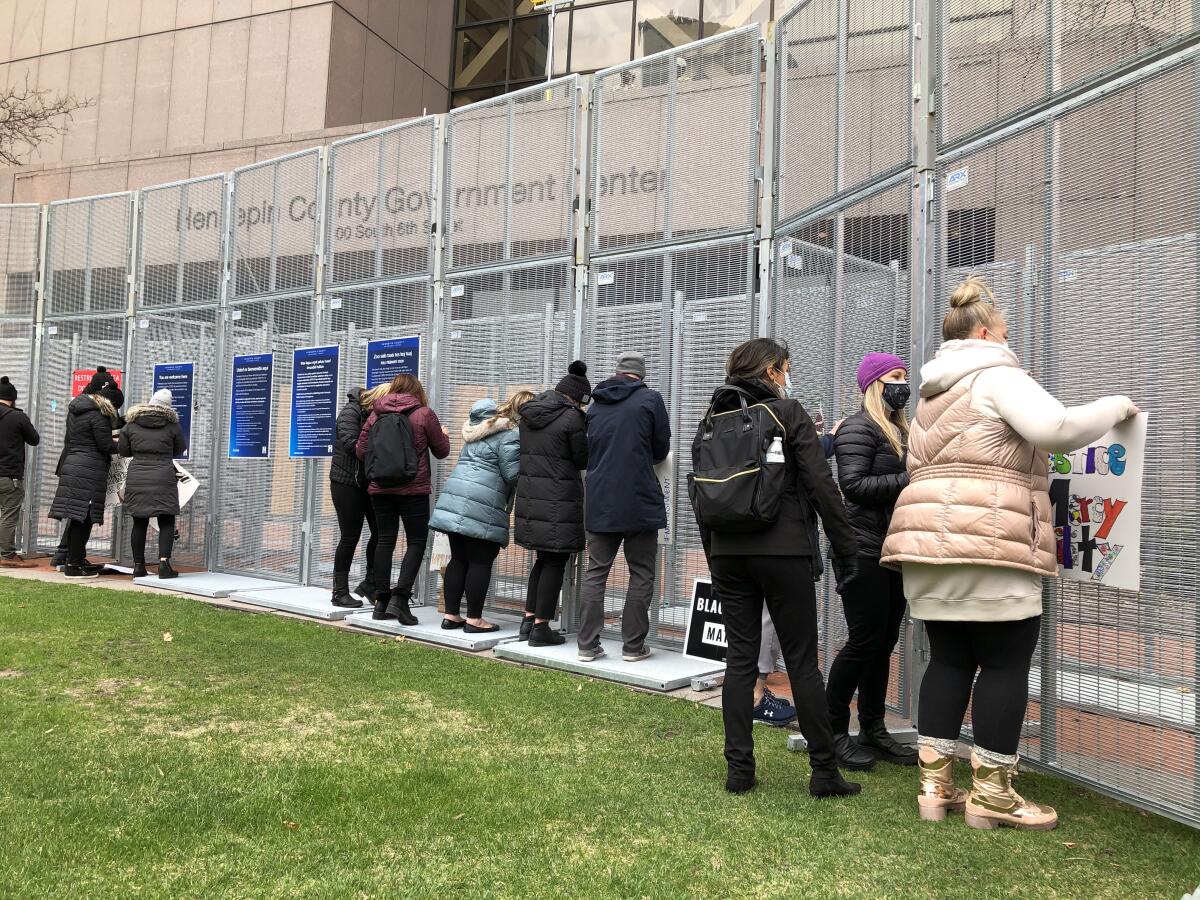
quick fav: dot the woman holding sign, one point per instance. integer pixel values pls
(973, 535)
(153, 438)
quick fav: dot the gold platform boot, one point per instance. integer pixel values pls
(938, 794)
(993, 802)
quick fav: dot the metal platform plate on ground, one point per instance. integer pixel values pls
(665, 670)
(430, 629)
(211, 584)
(303, 601)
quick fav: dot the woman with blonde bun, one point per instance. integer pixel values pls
(973, 536)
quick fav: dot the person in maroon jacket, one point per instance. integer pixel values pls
(408, 503)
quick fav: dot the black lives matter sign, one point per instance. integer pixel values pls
(705, 638)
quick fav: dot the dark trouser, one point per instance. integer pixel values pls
(166, 537)
(77, 536)
(1002, 652)
(874, 605)
(469, 572)
(12, 495)
(641, 555)
(352, 505)
(390, 510)
(784, 583)
(545, 584)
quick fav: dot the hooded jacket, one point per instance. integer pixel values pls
(549, 508)
(427, 438)
(628, 433)
(153, 438)
(82, 470)
(476, 499)
(345, 467)
(871, 477)
(16, 431)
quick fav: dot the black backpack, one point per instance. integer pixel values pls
(733, 488)
(391, 455)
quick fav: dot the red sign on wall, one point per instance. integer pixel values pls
(81, 377)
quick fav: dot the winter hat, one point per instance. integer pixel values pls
(113, 395)
(631, 363)
(100, 379)
(875, 365)
(8, 391)
(161, 397)
(575, 385)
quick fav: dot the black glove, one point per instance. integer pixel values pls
(845, 570)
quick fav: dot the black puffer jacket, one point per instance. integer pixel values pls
(345, 467)
(83, 467)
(549, 511)
(153, 438)
(871, 476)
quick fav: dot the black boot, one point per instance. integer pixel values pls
(341, 592)
(873, 738)
(139, 570)
(832, 784)
(366, 587)
(543, 635)
(850, 755)
(740, 784)
(382, 601)
(165, 570)
(526, 627)
(398, 607)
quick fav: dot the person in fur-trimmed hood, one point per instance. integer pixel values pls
(153, 438)
(473, 507)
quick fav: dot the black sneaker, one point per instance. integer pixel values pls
(139, 570)
(543, 635)
(81, 571)
(636, 655)
(526, 627)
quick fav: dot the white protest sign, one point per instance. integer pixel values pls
(1096, 493)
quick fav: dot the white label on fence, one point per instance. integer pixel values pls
(143, 323)
(699, 317)
(235, 315)
(53, 329)
(604, 278)
(457, 290)
(785, 249)
(1066, 275)
(335, 303)
(958, 178)
(455, 335)
(795, 262)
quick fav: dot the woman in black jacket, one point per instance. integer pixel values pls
(774, 564)
(870, 448)
(549, 507)
(153, 438)
(352, 503)
(88, 447)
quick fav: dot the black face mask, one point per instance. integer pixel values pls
(896, 395)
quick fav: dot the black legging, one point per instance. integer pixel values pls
(545, 584)
(1002, 652)
(469, 572)
(352, 505)
(390, 510)
(77, 536)
(874, 606)
(166, 537)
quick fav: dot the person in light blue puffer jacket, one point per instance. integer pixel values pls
(473, 507)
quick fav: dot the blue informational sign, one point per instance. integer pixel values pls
(391, 357)
(314, 401)
(250, 411)
(179, 379)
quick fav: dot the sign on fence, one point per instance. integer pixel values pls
(314, 401)
(705, 637)
(81, 377)
(179, 379)
(250, 408)
(1097, 497)
(391, 357)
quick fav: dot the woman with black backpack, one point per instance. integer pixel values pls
(352, 503)
(760, 477)
(394, 443)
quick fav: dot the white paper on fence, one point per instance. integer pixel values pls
(664, 472)
(439, 558)
(117, 470)
(1102, 487)
(187, 483)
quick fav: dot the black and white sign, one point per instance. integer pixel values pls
(705, 638)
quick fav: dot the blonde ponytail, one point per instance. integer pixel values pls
(972, 306)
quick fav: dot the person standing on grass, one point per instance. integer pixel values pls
(628, 434)
(549, 507)
(16, 433)
(395, 442)
(870, 447)
(473, 508)
(352, 503)
(153, 438)
(772, 562)
(974, 537)
(93, 424)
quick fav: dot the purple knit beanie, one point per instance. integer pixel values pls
(875, 365)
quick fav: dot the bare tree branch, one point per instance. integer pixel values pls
(29, 117)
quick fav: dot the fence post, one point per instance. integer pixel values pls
(221, 409)
(766, 180)
(39, 315)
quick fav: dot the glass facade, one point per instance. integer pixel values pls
(502, 45)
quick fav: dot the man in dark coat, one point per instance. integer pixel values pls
(628, 435)
(16, 431)
(153, 437)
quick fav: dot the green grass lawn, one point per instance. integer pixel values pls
(255, 756)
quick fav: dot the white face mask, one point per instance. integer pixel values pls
(785, 389)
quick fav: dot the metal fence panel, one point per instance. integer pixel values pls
(380, 215)
(510, 176)
(674, 147)
(87, 256)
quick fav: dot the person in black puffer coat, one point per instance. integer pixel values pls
(88, 447)
(153, 438)
(549, 507)
(348, 489)
(870, 447)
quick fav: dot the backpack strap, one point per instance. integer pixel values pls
(742, 396)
